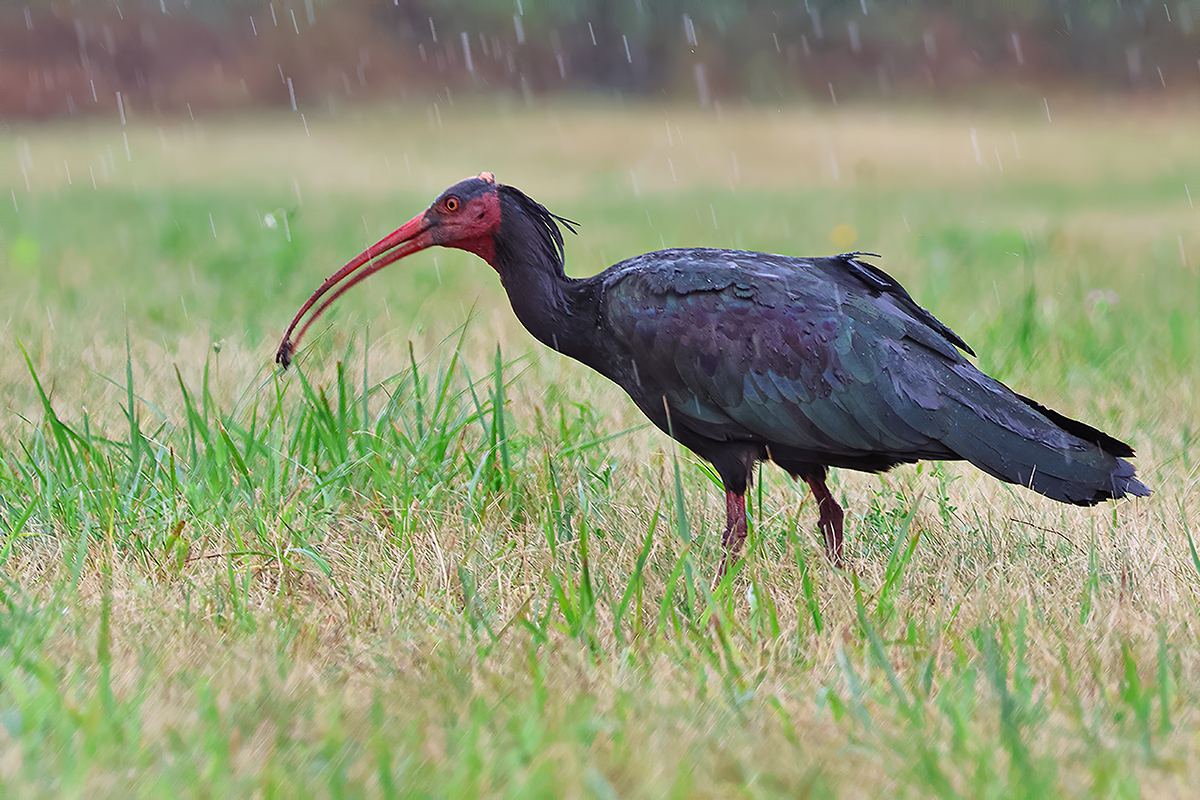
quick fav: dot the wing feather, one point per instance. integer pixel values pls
(766, 348)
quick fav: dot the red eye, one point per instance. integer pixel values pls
(451, 204)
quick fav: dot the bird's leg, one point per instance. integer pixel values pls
(831, 518)
(734, 535)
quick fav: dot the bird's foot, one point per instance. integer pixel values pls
(830, 525)
(831, 518)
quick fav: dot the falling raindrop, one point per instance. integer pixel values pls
(16, 208)
(125, 136)
(273, 19)
(637, 191)
(305, 122)
(689, 30)
(713, 211)
(94, 98)
(28, 19)
(1189, 195)
(855, 41)
(291, 93)
(1047, 104)
(999, 163)
(294, 25)
(1161, 79)
(628, 55)
(1017, 51)
(832, 94)
(1016, 147)
(671, 164)
(432, 30)
(519, 28)
(212, 224)
(592, 33)
(670, 140)
(737, 173)
(775, 36)
(121, 108)
(68, 169)
(975, 147)
(466, 46)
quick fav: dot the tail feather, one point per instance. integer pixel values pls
(1086, 432)
(1019, 441)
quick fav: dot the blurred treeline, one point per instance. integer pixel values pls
(179, 56)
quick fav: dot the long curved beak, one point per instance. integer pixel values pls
(409, 238)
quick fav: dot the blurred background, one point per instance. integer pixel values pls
(432, 536)
(187, 57)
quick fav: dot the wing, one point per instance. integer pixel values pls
(822, 360)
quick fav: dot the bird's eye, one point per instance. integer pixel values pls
(451, 204)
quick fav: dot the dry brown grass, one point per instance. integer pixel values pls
(244, 667)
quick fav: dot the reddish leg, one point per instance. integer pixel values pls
(735, 532)
(830, 522)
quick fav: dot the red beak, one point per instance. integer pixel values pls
(404, 241)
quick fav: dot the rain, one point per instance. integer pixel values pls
(440, 546)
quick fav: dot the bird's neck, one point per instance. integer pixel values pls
(551, 306)
(546, 302)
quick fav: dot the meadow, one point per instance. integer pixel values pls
(434, 558)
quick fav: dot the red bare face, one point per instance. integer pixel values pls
(465, 216)
(466, 222)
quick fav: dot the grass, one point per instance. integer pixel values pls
(434, 558)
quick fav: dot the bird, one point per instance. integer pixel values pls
(746, 357)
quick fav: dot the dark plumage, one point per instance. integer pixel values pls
(808, 362)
